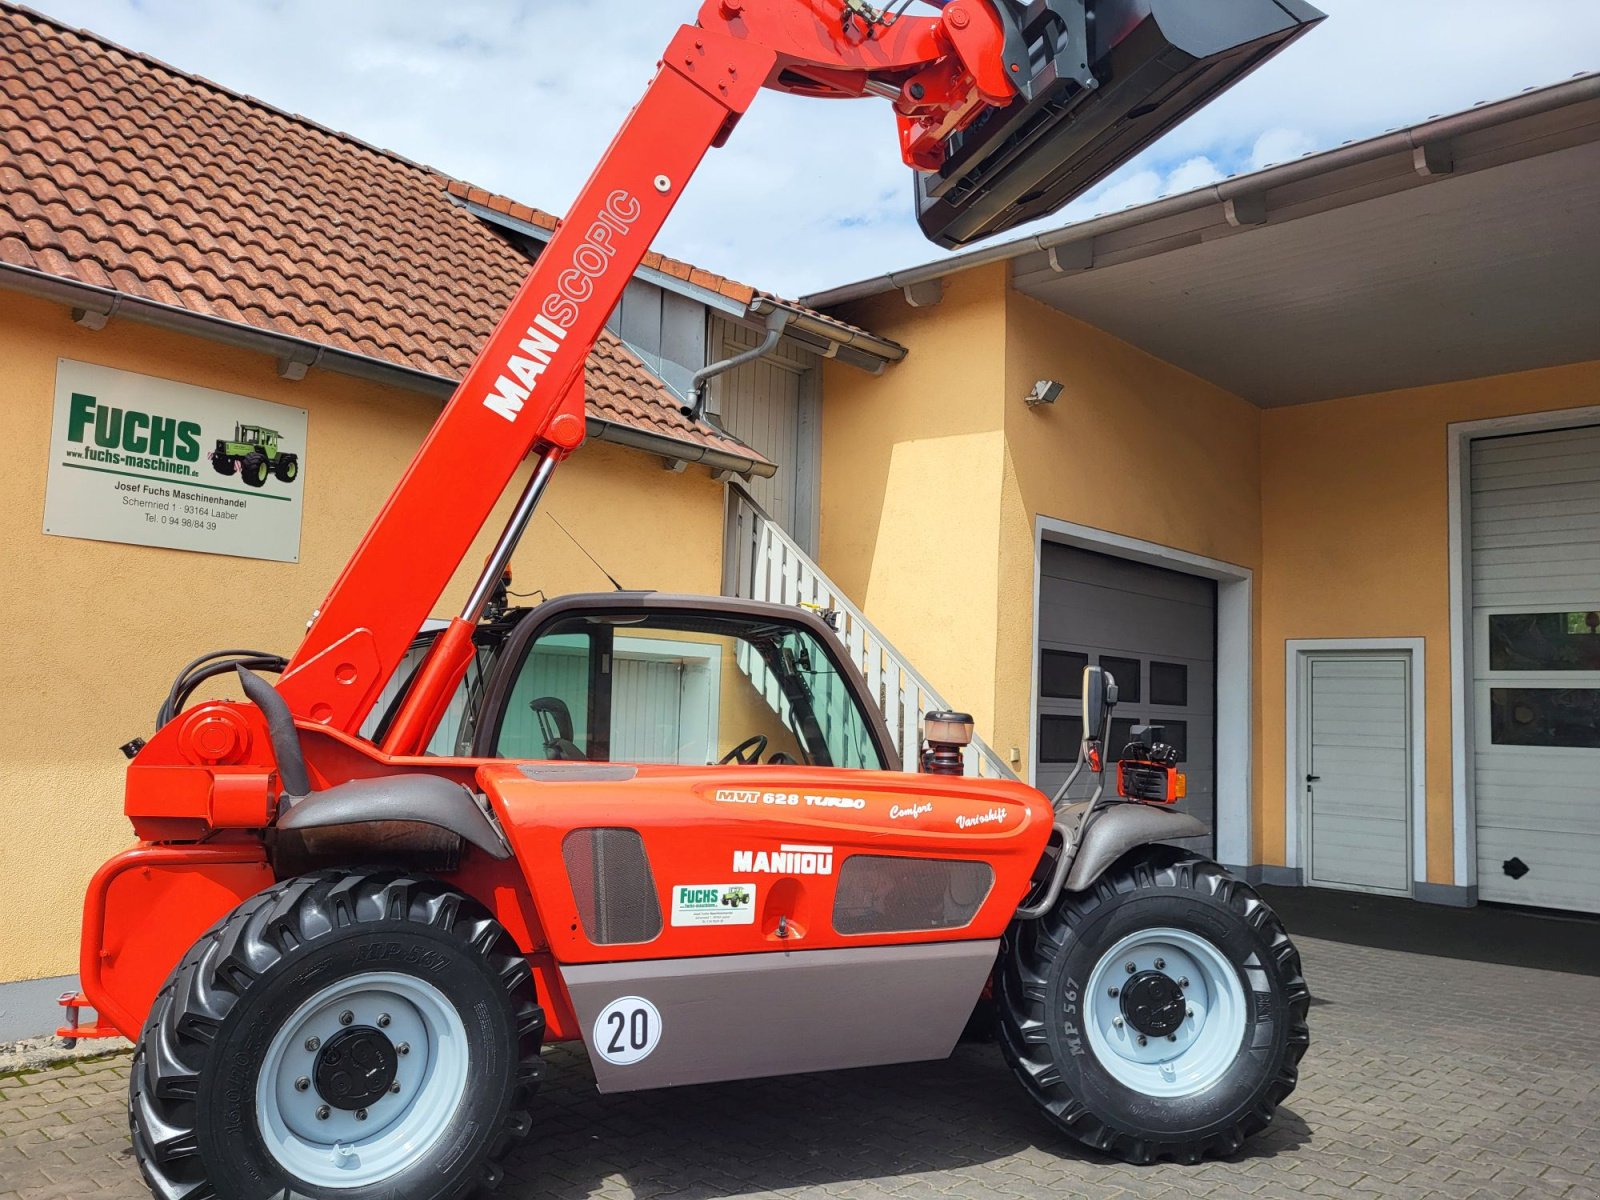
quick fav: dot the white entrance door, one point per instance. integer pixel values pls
(1357, 767)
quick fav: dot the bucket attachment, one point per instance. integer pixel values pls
(1103, 79)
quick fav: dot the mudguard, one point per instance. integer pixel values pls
(424, 799)
(1117, 828)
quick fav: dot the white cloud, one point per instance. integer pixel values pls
(521, 97)
(1195, 172)
(1279, 146)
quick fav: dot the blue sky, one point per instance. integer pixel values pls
(521, 96)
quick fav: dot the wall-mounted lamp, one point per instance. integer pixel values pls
(1044, 392)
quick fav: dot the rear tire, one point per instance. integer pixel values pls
(339, 1035)
(1186, 1055)
(286, 468)
(254, 470)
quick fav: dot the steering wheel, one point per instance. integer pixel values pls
(738, 753)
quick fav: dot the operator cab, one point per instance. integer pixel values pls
(653, 678)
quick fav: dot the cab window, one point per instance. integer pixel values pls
(684, 688)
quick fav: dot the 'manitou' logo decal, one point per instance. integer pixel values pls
(786, 860)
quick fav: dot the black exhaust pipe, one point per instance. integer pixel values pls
(1104, 79)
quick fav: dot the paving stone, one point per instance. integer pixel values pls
(1428, 1077)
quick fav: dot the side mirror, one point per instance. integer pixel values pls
(1099, 698)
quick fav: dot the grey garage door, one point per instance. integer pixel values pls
(1536, 679)
(1156, 632)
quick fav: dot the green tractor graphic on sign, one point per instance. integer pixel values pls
(253, 455)
(735, 896)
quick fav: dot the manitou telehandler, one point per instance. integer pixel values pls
(349, 926)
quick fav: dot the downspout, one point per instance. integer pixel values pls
(777, 322)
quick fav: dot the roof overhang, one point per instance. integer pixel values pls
(1462, 247)
(95, 306)
(807, 328)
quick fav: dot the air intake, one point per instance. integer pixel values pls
(612, 884)
(880, 894)
(1149, 64)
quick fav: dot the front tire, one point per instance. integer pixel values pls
(349, 1035)
(1183, 1056)
(254, 470)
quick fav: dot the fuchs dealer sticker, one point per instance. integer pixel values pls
(153, 462)
(714, 904)
(626, 1031)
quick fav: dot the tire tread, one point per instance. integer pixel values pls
(1033, 947)
(212, 977)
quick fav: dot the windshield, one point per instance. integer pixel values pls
(686, 688)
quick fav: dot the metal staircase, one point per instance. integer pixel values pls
(762, 562)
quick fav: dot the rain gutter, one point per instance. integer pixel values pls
(1409, 141)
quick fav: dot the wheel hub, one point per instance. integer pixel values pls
(1166, 1012)
(1153, 1003)
(355, 1068)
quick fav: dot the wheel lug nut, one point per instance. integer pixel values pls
(361, 1114)
(1114, 992)
(1161, 964)
(1184, 982)
(404, 1048)
(394, 1088)
(383, 1021)
(302, 1084)
(1142, 1039)
(313, 1043)
(322, 1113)
(346, 1017)
(1132, 968)
(1172, 1037)
(1117, 1021)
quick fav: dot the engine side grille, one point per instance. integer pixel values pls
(880, 894)
(611, 881)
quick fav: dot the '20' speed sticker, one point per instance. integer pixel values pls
(626, 1030)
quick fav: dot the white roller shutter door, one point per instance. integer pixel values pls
(1535, 505)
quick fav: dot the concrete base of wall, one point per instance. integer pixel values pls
(28, 1008)
(1269, 874)
(1445, 893)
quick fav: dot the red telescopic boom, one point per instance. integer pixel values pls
(524, 396)
(1006, 110)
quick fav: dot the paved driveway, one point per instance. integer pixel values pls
(1427, 1076)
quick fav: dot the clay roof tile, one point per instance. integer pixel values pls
(119, 171)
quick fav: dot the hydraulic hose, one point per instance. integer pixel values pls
(285, 737)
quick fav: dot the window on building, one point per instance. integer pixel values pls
(1534, 716)
(1546, 641)
(1061, 674)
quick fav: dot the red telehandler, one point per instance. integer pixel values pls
(348, 926)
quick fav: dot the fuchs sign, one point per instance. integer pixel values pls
(151, 462)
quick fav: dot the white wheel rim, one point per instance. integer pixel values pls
(1196, 1054)
(340, 1149)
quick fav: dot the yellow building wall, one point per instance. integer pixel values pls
(912, 469)
(96, 630)
(1133, 446)
(935, 472)
(1355, 538)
